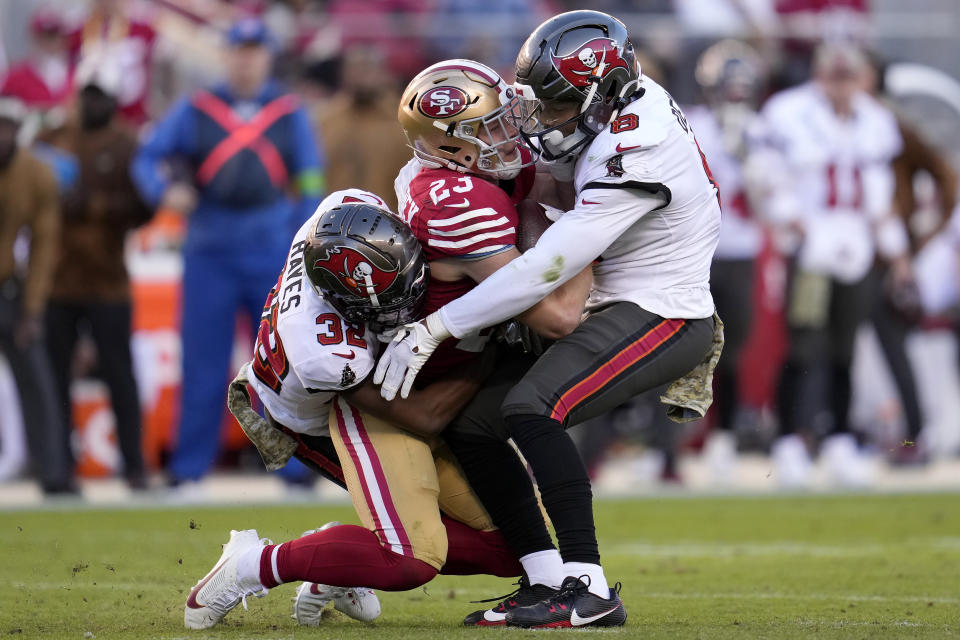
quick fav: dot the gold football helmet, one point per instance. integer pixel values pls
(461, 115)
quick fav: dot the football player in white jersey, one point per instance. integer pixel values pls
(731, 76)
(647, 217)
(354, 269)
(834, 213)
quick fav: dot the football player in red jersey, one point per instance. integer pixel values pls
(353, 269)
(460, 195)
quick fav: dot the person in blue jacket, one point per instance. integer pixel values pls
(240, 160)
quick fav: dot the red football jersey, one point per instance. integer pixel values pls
(459, 216)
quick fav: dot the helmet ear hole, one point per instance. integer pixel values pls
(448, 149)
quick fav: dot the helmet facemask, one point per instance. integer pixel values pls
(490, 138)
(367, 265)
(380, 318)
(549, 142)
(579, 57)
(459, 114)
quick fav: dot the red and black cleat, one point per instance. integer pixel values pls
(525, 595)
(572, 606)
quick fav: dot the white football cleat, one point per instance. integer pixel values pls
(720, 454)
(846, 465)
(223, 588)
(360, 603)
(792, 462)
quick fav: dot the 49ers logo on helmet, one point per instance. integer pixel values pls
(585, 61)
(442, 102)
(357, 272)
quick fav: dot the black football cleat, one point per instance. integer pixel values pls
(525, 595)
(572, 606)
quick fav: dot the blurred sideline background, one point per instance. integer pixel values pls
(336, 54)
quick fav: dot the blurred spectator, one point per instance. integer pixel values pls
(396, 25)
(505, 26)
(43, 79)
(28, 199)
(837, 144)
(805, 23)
(110, 32)
(704, 23)
(245, 144)
(359, 126)
(898, 304)
(91, 289)
(731, 77)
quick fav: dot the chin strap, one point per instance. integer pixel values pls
(635, 91)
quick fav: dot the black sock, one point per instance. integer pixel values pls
(563, 482)
(503, 485)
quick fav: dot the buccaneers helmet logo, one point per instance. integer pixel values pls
(357, 272)
(578, 66)
(443, 102)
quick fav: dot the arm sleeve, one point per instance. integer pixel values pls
(564, 249)
(174, 135)
(43, 245)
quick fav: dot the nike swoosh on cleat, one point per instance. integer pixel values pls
(348, 356)
(491, 617)
(577, 621)
(621, 148)
(192, 599)
(313, 585)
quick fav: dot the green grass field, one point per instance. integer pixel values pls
(784, 567)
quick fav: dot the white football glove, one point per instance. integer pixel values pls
(411, 347)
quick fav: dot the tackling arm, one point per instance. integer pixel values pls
(564, 250)
(426, 412)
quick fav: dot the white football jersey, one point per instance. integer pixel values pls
(741, 236)
(840, 178)
(646, 216)
(305, 351)
(662, 261)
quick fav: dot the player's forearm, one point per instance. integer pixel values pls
(564, 250)
(425, 413)
(511, 290)
(560, 313)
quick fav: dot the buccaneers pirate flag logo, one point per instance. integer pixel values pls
(581, 64)
(359, 274)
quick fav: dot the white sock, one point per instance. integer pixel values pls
(598, 581)
(544, 567)
(248, 566)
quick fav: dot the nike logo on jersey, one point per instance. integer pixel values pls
(577, 621)
(621, 148)
(348, 356)
(584, 201)
(460, 205)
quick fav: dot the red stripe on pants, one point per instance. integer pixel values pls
(626, 358)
